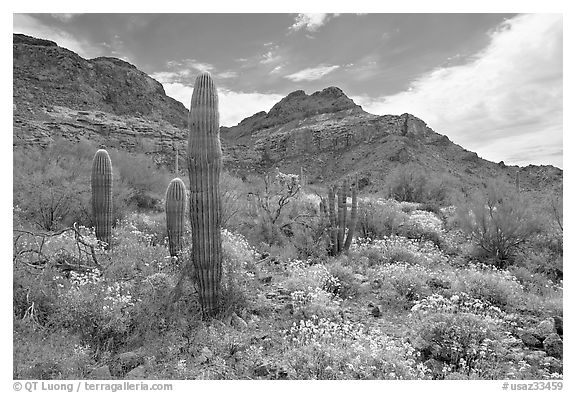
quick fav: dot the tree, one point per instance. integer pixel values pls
(499, 221)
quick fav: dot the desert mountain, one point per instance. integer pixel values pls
(111, 103)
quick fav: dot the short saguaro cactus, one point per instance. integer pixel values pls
(102, 196)
(175, 209)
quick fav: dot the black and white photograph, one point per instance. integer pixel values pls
(287, 196)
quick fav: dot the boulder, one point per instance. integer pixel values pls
(205, 355)
(534, 358)
(137, 373)
(530, 340)
(360, 277)
(545, 328)
(101, 373)
(376, 311)
(554, 365)
(238, 323)
(559, 325)
(553, 345)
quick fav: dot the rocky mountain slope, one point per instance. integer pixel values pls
(330, 137)
(110, 102)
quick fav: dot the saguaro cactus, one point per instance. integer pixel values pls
(338, 240)
(102, 195)
(204, 166)
(175, 207)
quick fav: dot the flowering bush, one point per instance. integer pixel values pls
(464, 343)
(237, 270)
(424, 253)
(402, 284)
(499, 287)
(319, 348)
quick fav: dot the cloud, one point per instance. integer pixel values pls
(505, 103)
(170, 76)
(183, 71)
(310, 74)
(201, 67)
(234, 106)
(271, 56)
(311, 22)
(64, 17)
(227, 75)
(29, 25)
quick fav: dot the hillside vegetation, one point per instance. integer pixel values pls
(435, 285)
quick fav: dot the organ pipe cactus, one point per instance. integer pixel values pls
(204, 165)
(175, 207)
(338, 239)
(102, 195)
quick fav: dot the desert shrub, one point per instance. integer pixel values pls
(320, 348)
(377, 219)
(50, 185)
(40, 354)
(233, 194)
(238, 272)
(400, 248)
(462, 342)
(497, 287)
(368, 256)
(34, 295)
(532, 282)
(541, 261)
(401, 284)
(151, 226)
(151, 311)
(270, 198)
(499, 221)
(348, 286)
(305, 228)
(99, 311)
(145, 181)
(411, 183)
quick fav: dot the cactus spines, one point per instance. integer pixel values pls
(175, 208)
(101, 182)
(339, 240)
(204, 166)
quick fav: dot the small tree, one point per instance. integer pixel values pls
(499, 221)
(271, 199)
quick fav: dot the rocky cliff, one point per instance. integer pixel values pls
(110, 102)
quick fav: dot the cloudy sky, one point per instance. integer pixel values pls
(490, 82)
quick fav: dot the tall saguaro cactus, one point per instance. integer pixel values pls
(337, 211)
(102, 195)
(204, 166)
(175, 207)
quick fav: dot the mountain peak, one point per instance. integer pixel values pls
(27, 40)
(330, 92)
(298, 104)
